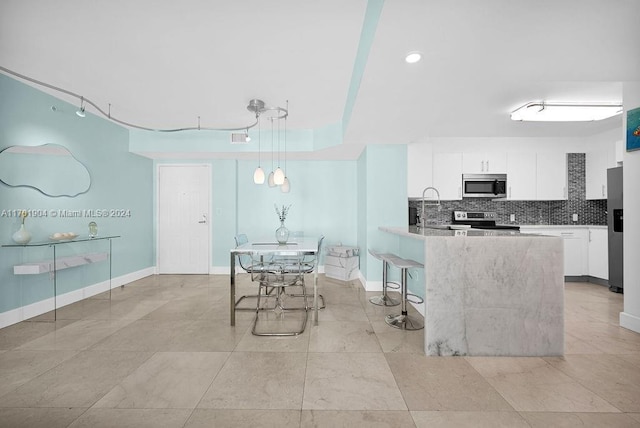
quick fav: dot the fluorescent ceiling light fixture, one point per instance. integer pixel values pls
(413, 57)
(551, 111)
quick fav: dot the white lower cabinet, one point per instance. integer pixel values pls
(599, 253)
(576, 260)
(586, 250)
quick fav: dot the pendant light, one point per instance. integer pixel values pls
(278, 175)
(286, 185)
(272, 182)
(258, 174)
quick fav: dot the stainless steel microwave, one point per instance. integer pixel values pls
(484, 185)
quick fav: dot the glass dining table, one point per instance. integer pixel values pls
(294, 247)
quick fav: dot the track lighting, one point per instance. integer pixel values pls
(256, 106)
(80, 111)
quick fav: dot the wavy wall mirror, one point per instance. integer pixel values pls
(49, 168)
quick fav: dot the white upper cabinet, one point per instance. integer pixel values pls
(419, 169)
(596, 174)
(596, 164)
(551, 176)
(521, 176)
(484, 163)
(447, 175)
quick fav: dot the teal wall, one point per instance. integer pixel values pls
(119, 180)
(323, 200)
(383, 185)
(344, 200)
(362, 215)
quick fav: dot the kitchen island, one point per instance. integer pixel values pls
(491, 293)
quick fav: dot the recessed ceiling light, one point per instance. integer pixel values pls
(413, 57)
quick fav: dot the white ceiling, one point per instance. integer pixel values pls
(163, 64)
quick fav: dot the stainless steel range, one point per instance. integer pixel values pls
(480, 220)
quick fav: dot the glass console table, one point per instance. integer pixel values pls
(58, 258)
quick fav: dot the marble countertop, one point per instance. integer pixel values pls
(414, 232)
(562, 226)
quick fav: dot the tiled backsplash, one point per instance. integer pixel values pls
(591, 212)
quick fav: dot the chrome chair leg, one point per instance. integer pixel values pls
(278, 296)
(268, 291)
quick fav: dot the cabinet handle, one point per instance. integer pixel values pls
(509, 192)
(482, 166)
(487, 166)
(603, 190)
(566, 233)
(589, 235)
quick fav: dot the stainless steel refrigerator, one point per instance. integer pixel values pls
(614, 222)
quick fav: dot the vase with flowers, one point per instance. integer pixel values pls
(22, 236)
(282, 233)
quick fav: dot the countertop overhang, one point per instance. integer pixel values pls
(422, 233)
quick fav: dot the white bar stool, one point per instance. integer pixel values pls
(384, 299)
(404, 321)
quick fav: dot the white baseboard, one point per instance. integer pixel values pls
(10, 317)
(223, 270)
(630, 322)
(133, 276)
(14, 316)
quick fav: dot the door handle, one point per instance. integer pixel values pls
(204, 219)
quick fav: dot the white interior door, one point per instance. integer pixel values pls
(183, 219)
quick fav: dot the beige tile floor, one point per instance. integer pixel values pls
(161, 353)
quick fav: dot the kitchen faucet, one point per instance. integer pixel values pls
(423, 217)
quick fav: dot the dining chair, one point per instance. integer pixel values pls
(246, 263)
(309, 264)
(279, 276)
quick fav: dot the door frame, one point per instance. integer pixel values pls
(156, 221)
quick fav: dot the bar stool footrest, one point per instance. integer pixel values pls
(404, 322)
(392, 285)
(419, 300)
(384, 300)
